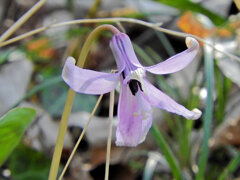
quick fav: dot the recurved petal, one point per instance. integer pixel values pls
(88, 81)
(178, 61)
(122, 49)
(135, 118)
(163, 101)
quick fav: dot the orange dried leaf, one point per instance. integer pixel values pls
(188, 23)
(47, 53)
(37, 44)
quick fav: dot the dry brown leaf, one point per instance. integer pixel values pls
(228, 133)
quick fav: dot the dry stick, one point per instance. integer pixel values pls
(61, 133)
(120, 26)
(22, 20)
(115, 20)
(80, 138)
(111, 107)
(68, 105)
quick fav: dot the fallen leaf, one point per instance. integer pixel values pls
(188, 23)
(228, 132)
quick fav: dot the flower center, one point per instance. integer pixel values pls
(135, 80)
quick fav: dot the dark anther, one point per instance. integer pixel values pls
(123, 75)
(133, 85)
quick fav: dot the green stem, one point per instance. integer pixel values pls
(71, 94)
(209, 72)
(167, 152)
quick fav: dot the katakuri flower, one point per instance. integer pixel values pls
(137, 94)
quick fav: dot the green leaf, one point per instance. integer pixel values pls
(12, 128)
(231, 167)
(209, 74)
(4, 55)
(185, 5)
(25, 163)
(167, 152)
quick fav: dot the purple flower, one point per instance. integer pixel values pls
(137, 94)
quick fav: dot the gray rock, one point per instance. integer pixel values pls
(42, 133)
(14, 79)
(57, 35)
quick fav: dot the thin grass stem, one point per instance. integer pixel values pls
(22, 20)
(115, 20)
(111, 107)
(80, 138)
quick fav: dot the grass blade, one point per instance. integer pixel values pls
(143, 54)
(231, 167)
(209, 74)
(167, 152)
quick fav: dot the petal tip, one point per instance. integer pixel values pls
(119, 143)
(71, 60)
(196, 114)
(189, 41)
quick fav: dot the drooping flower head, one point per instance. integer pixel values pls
(137, 94)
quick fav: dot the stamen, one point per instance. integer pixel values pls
(135, 80)
(123, 75)
(133, 85)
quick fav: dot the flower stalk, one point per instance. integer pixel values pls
(111, 107)
(80, 138)
(71, 94)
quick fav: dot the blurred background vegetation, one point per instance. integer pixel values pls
(176, 148)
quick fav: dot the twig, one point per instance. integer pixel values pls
(111, 107)
(22, 20)
(115, 20)
(80, 138)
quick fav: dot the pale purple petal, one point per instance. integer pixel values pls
(88, 81)
(135, 118)
(177, 62)
(163, 101)
(123, 50)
